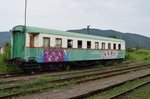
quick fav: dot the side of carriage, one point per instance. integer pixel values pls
(40, 45)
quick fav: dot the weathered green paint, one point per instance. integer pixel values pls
(18, 44)
(121, 54)
(76, 54)
(33, 53)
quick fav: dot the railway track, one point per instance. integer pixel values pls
(86, 73)
(53, 73)
(7, 75)
(47, 74)
(94, 75)
(129, 90)
(118, 95)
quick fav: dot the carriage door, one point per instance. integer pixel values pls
(18, 44)
(33, 44)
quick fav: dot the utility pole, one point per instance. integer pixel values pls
(25, 13)
(88, 29)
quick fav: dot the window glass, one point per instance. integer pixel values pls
(109, 45)
(31, 40)
(103, 45)
(79, 44)
(114, 45)
(70, 43)
(58, 42)
(46, 42)
(88, 44)
(96, 45)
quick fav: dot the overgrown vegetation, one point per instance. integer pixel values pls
(4, 67)
(135, 55)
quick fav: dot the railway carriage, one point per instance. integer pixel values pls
(40, 45)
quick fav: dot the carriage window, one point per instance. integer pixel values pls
(96, 45)
(109, 45)
(119, 46)
(88, 44)
(114, 46)
(70, 43)
(103, 45)
(58, 42)
(79, 44)
(46, 41)
(31, 40)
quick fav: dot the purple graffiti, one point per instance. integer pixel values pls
(53, 55)
(109, 54)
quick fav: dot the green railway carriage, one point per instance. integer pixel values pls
(48, 46)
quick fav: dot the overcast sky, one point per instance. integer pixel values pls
(121, 15)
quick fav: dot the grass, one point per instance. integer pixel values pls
(36, 84)
(140, 93)
(135, 55)
(109, 93)
(4, 67)
(43, 86)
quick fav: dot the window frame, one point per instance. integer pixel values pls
(48, 41)
(103, 45)
(109, 46)
(96, 45)
(58, 44)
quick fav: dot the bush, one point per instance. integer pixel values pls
(131, 50)
(4, 67)
(130, 56)
(143, 52)
(147, 58)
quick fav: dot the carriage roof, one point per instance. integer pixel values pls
(30, 29)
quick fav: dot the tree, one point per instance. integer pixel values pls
(112, 36)
(7, 50)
